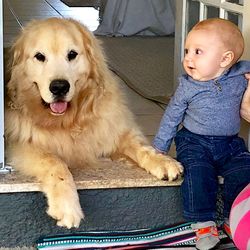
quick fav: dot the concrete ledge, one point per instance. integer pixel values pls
(108, 175)
(113, 196)
(23, 217)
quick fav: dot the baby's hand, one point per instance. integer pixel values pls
(247, 76)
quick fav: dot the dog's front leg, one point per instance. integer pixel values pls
(56, 182)
(162, 166)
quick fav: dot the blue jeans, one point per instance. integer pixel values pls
(204, 158)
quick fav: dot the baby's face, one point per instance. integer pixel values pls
(203, 55)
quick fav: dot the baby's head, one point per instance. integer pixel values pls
(211, 47)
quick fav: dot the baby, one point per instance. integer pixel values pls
(207, 104)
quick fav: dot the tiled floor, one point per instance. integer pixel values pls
(18, 12)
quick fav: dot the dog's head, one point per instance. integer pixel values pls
(54, 61)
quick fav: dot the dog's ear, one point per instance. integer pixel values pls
(21, 43)
(16, 52)
(15, 56)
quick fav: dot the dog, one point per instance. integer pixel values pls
(64, 109)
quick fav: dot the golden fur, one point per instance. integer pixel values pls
(89, 120)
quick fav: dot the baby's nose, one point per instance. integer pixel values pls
(188, 57)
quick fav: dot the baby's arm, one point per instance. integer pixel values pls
(245, 104)
(170, 121)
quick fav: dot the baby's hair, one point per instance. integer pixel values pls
(228, 33)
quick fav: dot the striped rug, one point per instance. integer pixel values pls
(176, 236)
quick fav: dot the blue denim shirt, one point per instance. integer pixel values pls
(207, 108)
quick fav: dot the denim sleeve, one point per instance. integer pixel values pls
(170, 121)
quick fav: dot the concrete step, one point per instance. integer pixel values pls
(113, 196)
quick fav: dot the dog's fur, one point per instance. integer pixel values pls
(64, 109)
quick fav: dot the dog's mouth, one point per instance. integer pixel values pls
(57, 107)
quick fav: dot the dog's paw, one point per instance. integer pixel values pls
(66, 213)
(63, 204)
(174, 169)
(164, 167)
(71, 218)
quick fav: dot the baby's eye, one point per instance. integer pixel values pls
(198, 51)
(185, 51)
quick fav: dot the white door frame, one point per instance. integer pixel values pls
(1, 90)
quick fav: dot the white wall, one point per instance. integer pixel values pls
(1, 88)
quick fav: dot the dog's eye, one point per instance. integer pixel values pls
(40, 57)
(72, 55)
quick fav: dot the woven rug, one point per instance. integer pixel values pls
(178, 236)
(146, 64)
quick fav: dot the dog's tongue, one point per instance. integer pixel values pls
(58, 107)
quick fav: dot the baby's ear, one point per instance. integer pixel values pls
(227, 59)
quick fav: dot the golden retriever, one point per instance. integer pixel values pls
(64, 109)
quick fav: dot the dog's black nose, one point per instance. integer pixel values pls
(59, 87)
